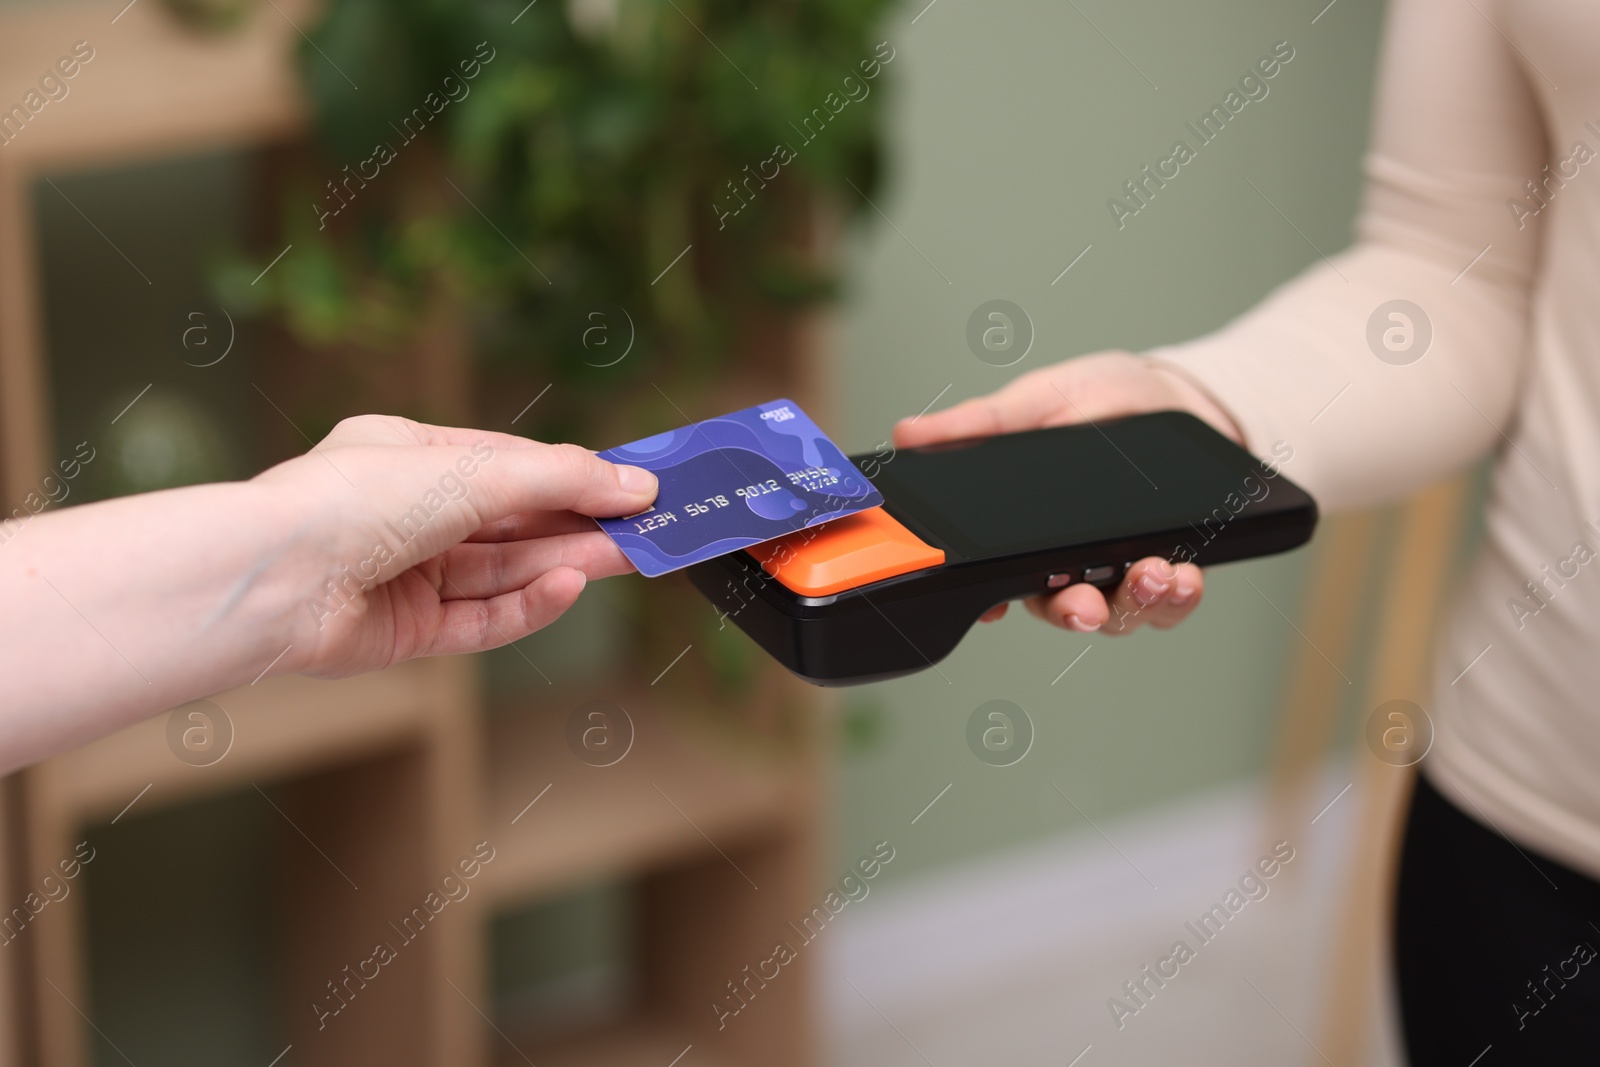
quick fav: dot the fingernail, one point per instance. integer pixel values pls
(1149, 587)
(1075, 622)
(635, 479)
(1182, 595)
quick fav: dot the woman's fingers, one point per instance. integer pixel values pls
(530, 524)
(409, 503)
(507, 475)
(560, 478)
(1100, 386)
(485, 494)
(394, 430)
(475, 625)
(468, 436)
(978, 417)
(1025, 403)
(473, 571)
(1080, 608)
(1154, 592)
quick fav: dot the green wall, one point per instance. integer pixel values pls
(1014, 122)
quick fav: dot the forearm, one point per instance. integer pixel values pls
(391, 539)
(1299, 371)
(120, 609)
(1457, 130)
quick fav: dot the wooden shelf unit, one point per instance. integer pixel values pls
(396, 774)
(153, 89)
(379, 771)
(720, 840)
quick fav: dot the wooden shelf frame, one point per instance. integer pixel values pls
(153, 89)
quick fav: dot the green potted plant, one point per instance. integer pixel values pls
(626, 199)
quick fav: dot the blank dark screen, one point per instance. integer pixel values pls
(1041, 489)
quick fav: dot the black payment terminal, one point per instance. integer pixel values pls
(968, 525)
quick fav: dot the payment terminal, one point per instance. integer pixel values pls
(967, 525)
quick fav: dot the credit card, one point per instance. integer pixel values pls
(735, 481)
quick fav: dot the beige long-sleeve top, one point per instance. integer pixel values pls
(1477, 99)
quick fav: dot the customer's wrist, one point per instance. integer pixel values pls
(312, 533)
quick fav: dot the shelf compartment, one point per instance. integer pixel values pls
(673, 795)
(281, 726)
(635, 1042)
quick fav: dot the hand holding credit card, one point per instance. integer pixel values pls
(734, 481)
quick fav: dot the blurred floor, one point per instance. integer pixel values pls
(1013, 960)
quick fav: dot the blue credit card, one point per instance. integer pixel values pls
(735, 481)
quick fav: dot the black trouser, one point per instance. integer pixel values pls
(1496, 947)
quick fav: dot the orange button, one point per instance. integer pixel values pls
(856, 550)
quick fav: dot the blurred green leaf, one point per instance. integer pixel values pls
(863, 725)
